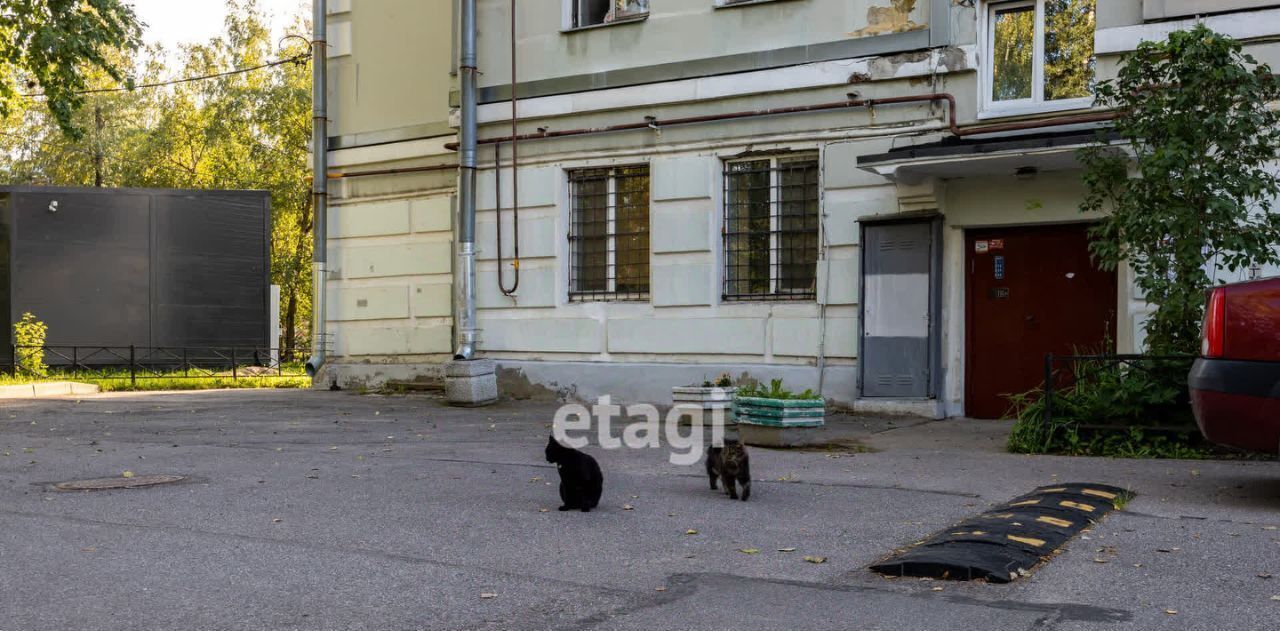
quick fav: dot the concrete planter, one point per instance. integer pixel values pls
(778, 422)
(707, 399)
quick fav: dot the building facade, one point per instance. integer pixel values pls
(877, 199)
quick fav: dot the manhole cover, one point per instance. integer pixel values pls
(102, 484)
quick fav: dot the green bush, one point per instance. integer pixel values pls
(1137, 410)
(29, 335)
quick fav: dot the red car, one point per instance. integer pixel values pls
(1235, 384)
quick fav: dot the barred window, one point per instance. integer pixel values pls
(609, 234)
(771, 228)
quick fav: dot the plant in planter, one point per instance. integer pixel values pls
(711, 395)
(775, 416)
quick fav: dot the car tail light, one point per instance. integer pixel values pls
(1215, 322)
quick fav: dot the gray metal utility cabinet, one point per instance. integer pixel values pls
(151, 268)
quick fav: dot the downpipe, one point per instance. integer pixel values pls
(319, 186)
(466, 284)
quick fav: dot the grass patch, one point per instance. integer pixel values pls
(118, 380)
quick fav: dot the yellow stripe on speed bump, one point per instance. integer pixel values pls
(1039, 543)
(1097, 493)
(1026, 503)
(1061, 523)
(1076, 505)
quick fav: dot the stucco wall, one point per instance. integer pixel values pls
(676, 31)
(389, 64)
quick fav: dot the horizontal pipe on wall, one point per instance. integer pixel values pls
(340, 175)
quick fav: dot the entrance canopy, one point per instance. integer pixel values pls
(995, 155)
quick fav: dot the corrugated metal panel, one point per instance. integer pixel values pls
(143, 267)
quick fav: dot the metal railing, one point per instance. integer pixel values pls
(1057, 380)
(132, 362)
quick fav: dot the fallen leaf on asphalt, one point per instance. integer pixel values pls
(1099, 560)
(279, 448)
(690, 532)
(1276, 597)
(333, 447)
(1268, 527)
(128, 474)
(276, 520)
(488, 595)
(937, 589)
(1172, 612)
(749, 550)
(786, 549)
(536, 478)
(1264, 575)
(88, 549)
(816, 559)
(543, 510)
(1195, 472)
(659, 589)
(628, 507)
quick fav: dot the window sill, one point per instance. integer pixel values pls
(578, 300)
(630, 19)
(742, 3)
(766, 298)
(1050, 107)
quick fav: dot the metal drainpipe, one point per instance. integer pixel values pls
(319, 183)
(466, 288)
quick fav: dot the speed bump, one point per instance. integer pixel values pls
(1009, 540)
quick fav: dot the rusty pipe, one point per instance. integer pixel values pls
(1057, 121)
(515, 177)
(342, 175)
(774, 111)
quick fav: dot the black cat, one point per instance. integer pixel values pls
(581, 481)
(730, 464)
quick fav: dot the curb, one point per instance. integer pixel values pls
(47, 389)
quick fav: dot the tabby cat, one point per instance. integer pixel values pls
(730, 464)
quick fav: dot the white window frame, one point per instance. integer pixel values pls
(610, 292)
(775, 160)
(991, 108)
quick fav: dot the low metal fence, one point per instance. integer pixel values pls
(134, 363)
(1061, 374)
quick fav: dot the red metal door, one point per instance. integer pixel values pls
(1029, 291)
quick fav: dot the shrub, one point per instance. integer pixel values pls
(29, 335)
(1136, 410)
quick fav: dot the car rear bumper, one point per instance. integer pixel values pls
(1237, 403)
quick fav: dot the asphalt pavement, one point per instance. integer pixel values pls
(331, 510)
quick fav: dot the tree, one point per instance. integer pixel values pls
(1195, 118)
(241, 130)
(51, 46)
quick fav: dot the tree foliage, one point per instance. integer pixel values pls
(1196, 120)
(53, 46)
(241, 131)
